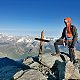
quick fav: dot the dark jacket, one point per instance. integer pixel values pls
(74, 33)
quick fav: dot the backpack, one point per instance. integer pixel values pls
(74, 31)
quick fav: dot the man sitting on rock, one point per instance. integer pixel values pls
(69, 37)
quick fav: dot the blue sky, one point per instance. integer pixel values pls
(30, 17)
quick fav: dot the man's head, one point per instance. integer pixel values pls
(67, 22)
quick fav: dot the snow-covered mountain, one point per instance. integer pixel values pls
(22, 46)
(17, 39)
(19, 46)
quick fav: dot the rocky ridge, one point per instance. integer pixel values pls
(44, 67)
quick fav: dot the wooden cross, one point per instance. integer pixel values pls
(41, 40)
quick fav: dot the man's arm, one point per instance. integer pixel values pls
(75, 36)
(63, 33)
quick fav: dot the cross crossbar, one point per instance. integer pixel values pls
(41, 40)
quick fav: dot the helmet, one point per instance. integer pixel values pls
(67, 20)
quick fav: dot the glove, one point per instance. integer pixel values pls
(71, 46)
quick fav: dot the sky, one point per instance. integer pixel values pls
(30, 17)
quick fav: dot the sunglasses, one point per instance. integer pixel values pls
(66, 21)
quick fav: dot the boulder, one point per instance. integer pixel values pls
(18, 74)
(32, 75)
(76, 74)
(49, 60)
(35, 65)
(77, 54)
(28, 61)
(69, 69)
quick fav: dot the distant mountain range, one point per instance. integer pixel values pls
(19, 47)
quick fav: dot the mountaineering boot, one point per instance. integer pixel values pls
(56, 54)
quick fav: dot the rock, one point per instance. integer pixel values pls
(76, 74)
(69, 69)
(44, 67)
(65, 57)
(77, 54)
(34, 65)
(18, 74)
(49, 60)
(28, 61)
(44, 70)
(32, 75)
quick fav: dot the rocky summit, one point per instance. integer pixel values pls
(43, 67)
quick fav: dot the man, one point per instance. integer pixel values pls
(69, 37)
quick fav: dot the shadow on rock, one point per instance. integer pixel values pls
(51, 77)
(62, 57)
(9, 67)
(65, 54)
(36, 58)
(58, 70)
(9, 62)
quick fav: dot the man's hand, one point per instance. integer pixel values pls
(63, 40)
(71, 46)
